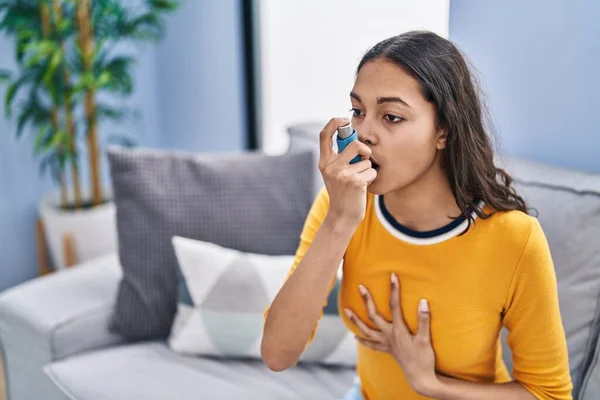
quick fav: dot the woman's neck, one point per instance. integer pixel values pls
(424, 205)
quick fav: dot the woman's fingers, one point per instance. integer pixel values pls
(368, 175)
(372, 334)
(337, 166)
(357, 175)
(383, 325)
(325, 138)
(424, 332)
(384, 347)
(395, 305)
(359, 167)
(354, 148)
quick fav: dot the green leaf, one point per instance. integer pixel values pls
(9, 97)
(54, 163)
(20, 15)
(50, 162)
(106, 112)
(49, 139)
(74, 59)
(43, 137)
(163, 5)
(118, 70)
(143, 27)
(62, 161)
(58, 139)
(28, 76)
(12, 90)
(55, 61)
(25, 116)
(4, 75)
(85, 82)
(118, 114)
(64, 27)
(100, 55)
(39, 50)
(33, 110)
(23, 39)
(104, 79)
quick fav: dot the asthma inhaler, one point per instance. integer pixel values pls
(345, 135)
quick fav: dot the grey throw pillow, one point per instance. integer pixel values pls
(249, 201)
(306, 137)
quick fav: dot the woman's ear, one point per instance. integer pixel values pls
(442, 138)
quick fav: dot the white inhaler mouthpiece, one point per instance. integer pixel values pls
(345, 131)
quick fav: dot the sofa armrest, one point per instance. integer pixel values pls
(53, 317)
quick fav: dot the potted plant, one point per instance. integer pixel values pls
(69, 55)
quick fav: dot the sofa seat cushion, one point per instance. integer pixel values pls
(149, 370)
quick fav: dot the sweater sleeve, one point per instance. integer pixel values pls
(532, 316)
(313, 222)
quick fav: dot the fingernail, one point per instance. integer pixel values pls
(394, 278)
(346, 119)
(423, 306)
(348, 313)
(362, 289)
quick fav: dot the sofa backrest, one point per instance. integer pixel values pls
(567, 204)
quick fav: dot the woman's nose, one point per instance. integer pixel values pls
(366, 132)
(366, 136)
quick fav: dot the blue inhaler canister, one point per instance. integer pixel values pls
(345, 135)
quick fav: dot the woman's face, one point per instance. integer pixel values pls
(392, 117)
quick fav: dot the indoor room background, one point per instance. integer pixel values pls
(230, 75)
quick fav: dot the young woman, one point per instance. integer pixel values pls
(439, 252)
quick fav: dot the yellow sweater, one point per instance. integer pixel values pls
(499, 273)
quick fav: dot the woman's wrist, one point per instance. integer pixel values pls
(434, 387)
(340, 224)
(440, 387)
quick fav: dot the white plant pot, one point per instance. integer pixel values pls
(93, 230)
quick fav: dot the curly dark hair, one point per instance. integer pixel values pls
(447, 82)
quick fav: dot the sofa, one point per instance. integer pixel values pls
(56, 342)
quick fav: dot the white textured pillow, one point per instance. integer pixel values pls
(222, 298)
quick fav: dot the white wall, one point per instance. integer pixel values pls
(309, 51)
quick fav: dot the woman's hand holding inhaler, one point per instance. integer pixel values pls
(347, 174)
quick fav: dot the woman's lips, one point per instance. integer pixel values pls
(374, 164)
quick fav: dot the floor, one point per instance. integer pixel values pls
(2, 385)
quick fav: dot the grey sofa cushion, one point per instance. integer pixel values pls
(568, 208)
(247, 201)
(115, 373)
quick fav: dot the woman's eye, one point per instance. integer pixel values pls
(355, 112)
(393, 118)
